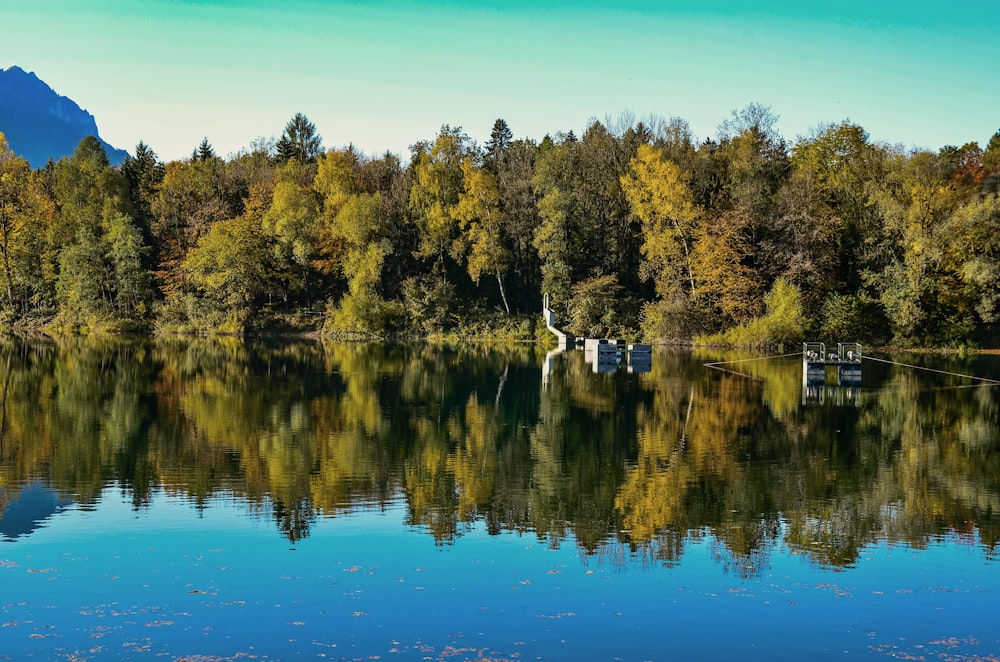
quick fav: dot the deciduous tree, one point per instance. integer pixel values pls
(293, 222)
(481, 220)
(971, 237)
(657, 192)
(191, 197)
(436, 188)
(232, 264)
(520, 214)
(25, 215)
(723, 279)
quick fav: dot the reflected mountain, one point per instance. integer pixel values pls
(28, 508)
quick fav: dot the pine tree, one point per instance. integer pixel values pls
(500, 140)
(300, 141)
(203, 152)
(143, 173)
(285, 149)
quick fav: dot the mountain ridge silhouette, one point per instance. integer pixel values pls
(40, 124)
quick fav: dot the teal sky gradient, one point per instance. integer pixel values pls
(384, 75)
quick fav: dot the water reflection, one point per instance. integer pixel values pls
(28, 509)
(626, 466)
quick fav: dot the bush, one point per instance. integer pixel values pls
(673, 320)
(784, 321)
(428, 300)
(853, 317)
(599, 309)
(190, 313)
(363, 317)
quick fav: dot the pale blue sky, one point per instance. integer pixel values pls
(386, 74)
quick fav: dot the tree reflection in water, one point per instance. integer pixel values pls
(631, 468)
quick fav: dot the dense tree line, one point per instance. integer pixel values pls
(634, 228)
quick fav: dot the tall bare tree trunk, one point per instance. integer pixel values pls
(503, 294)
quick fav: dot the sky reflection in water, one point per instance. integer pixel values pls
(175, 581)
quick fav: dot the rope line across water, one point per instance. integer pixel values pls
(715, 365)
(756, 358)
(985, 380)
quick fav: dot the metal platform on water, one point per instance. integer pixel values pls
(604, 354)
(816, 359)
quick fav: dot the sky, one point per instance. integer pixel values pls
(383, 75)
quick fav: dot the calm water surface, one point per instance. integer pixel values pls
(207, 500)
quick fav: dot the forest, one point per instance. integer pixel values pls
(635, 229)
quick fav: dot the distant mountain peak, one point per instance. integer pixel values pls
(40, 123)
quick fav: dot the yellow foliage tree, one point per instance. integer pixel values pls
(724, 280)
(481, 220)
(658, 193)
(26, 212)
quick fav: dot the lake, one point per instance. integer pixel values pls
(223, 499)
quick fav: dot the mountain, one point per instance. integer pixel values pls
(39, 123)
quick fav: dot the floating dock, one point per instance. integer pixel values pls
(815, 362)
(604, 354)
(816, 359)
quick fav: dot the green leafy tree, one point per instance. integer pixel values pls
(603, 157)
(783, 321)
(101, 275)
(914, 202)
(358, 223)
(756, 159)
(91, 202)
(293, 221)
(84, 279)
(437, 185)
(558, 235)
(596, 309)
(971, 236)
(438, 182)
(841, 169)
(857, 317)
(428, 300)
(386, 177)
(673, 136)
(127, 251)
(514, 172)
(192, 196)
(363, 221)
(365, 250)
(26, 213)
(335, 182)
(553, 240)
(586, 228)
(82, 185)
(231, 266)
(802, 242)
